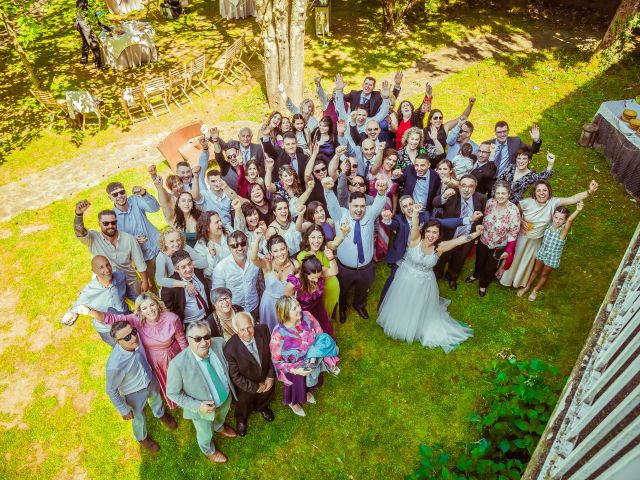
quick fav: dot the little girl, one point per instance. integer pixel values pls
(248, 175)
(302, 133)
(285, 126)
(550, 251)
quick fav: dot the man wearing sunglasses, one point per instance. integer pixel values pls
(198, 381)
(239, 274)
(131, 384)
(122, 249)
(131, 212)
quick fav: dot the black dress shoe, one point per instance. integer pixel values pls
(267, 414)
(241, 428)
(343, 315)
(470, 279)
(362, 311)
(453, 285)
(482, 292)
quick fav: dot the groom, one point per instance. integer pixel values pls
(355, 254)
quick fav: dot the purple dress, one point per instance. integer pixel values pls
(313, 303)
(327, 229)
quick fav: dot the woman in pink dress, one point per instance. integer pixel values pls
(382, 169)
(159, 330)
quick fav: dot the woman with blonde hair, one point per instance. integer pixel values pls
(170, 241)
(160, 332)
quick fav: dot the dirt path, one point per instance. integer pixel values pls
(137, 147)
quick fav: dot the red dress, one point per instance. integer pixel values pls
(403, 126)
(161, 341)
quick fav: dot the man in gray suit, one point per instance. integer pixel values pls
(198, 381)
(131, 384)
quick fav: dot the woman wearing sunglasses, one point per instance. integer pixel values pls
(159, 330)
(436, 131)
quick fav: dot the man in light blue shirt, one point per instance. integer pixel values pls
(459, 135)
(217, 197)
(107, 292)
(131, 214)
(355, 253)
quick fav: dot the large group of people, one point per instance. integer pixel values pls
(266, 243)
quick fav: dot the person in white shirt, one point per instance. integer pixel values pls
(237, 273)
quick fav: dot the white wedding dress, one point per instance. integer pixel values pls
(413, 310)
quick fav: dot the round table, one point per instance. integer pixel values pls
(130, 44)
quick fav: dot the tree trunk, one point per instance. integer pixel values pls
(626, 9)
(388, 17)
(282, 23)
(21, 53)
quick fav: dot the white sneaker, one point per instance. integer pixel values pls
(297, 409)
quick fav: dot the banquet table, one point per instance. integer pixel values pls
(237, 8)
(620, 144)
(130, 44)
(119, 7)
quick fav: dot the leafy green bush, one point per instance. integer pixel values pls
(517, 409)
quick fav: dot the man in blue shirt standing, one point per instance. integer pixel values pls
(131, 214)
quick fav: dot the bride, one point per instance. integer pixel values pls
(412, 309)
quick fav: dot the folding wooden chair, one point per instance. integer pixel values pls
(57, 108)
(222, 68)
(133, 103)
(255, 46)
(179, 83)
(237, 65)
(156, 93)
(196, 77)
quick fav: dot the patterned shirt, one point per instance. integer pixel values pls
(518, 187)
(500, 225)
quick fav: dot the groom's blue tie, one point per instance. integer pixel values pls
(357, 239)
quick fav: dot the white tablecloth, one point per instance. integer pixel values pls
(237, 8)
(120, 7)
(612, 111)
(80, 102)
(130, 44)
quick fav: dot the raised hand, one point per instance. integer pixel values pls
(535, 132)
(311, 184)
(352, 116)
(397, 78)
(213, 134)
(579, 206)
(83, 205)
(236, 203)
(340, 149)
(433, 133)
(386, 215)
(152, 171)
(593, 186)
(551, 158)
(345, 167)
(448, 193)
(341, 126)
(461, 120)
(380, 147)
(345, 228)
(69, 318)
(315, 150)
(317, 80)
(385, 91)
(259, 231)
(396, 173)
(428, 90)
(202, 140)
(262, 225)
(327, 183)
(339, 82)
(157, 181)
(196, 170)
(265, 129)
(472, 100)
(301, 208)
(137, 190)
(268, 163)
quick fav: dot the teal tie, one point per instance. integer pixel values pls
(217, 383)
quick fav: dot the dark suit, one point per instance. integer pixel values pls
(374, 103)
(282, 158)
(456, 257)
(485, 174)
(174, 297)
(514, 144)
(402, 227)
(255, 150)
(246, 374)
(410, 177)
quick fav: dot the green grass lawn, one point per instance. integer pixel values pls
(57, 421)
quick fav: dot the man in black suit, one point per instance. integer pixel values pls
(507, 147)
(370, 98)
(420, 182)
(462, 203)
(289, 154)
(190, 301)
(250, 369)
(484, 170)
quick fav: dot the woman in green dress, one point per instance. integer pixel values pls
(313, 243)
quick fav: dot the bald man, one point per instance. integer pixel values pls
(107, 292)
